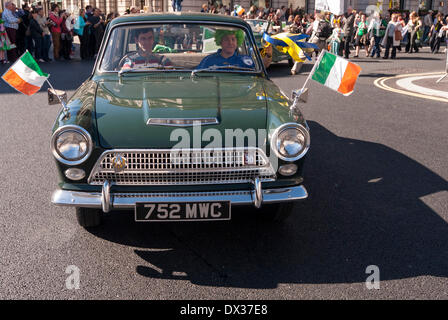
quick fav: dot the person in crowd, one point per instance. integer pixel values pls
(11, 23)
(321, 32)
(177, 5)
(24, 39)
(144, 55)
(96, 30)
(89, 11)
(392, 37)
(204, 8)
(336, 39)
(349, 28)
(289, 12)
(213, 9)
(436, 34)
(427, 24)
(414, 25)
(110, 17)
(5, 44)
(56, 30)
(377, 28)
(82, 31)
(296, 26)
(361, 37)
(66, 35)
(37, 34)
(44, 23)
(229, 41)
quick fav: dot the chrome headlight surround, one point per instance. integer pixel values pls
(275, 143)
(84, 134)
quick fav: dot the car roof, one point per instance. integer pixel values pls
(177, 16)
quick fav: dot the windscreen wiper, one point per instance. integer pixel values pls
(146, 69)
(213, 68)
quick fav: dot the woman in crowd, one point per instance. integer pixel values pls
(436, 34)
(82, 31)
(414, 25)
(56, 29)
(296, 26)
(392, 37)
(5, 44)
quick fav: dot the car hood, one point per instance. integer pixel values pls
(123, 109)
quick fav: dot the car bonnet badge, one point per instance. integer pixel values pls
(119, 163)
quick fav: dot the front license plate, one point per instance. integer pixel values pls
(182, 211)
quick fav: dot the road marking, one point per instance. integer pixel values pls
(380, 83)
(407, 84)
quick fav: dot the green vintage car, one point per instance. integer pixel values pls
(172, 128)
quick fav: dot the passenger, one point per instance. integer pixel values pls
(144, 57)
(229, 41)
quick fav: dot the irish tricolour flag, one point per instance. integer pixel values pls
(25, 75)
(336, 73)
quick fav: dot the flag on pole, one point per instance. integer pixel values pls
(25, 75)
(293, 44)
(336, 73)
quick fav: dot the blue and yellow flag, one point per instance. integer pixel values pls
(291, 43)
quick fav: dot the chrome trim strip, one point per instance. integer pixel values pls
(128, 200)
(187, 122)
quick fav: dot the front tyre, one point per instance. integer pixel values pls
(277, 212)
(88, 217)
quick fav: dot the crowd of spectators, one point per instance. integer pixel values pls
(29, 29)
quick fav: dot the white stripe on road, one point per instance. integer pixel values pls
(407, 83)
(381, 83)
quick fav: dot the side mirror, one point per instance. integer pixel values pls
(300, 95)
(53, 96)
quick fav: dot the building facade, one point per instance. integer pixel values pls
(120, 6)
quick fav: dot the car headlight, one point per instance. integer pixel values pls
(290, 141)
(71, 144)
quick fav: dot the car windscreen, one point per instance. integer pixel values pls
(180, 47)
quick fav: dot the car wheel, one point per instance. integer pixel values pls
(277, 212)
(88, 217)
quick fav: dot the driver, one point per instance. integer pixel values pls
(229, 41)
(144, 38)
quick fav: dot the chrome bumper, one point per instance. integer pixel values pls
(108, 201)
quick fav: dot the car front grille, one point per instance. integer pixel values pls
(182, 167)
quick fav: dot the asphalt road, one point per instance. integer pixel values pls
(377, 176)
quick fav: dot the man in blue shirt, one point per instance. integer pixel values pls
(11, 25)
(228, 54)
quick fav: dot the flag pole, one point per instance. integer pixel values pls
(65, 109)
(319, 58)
